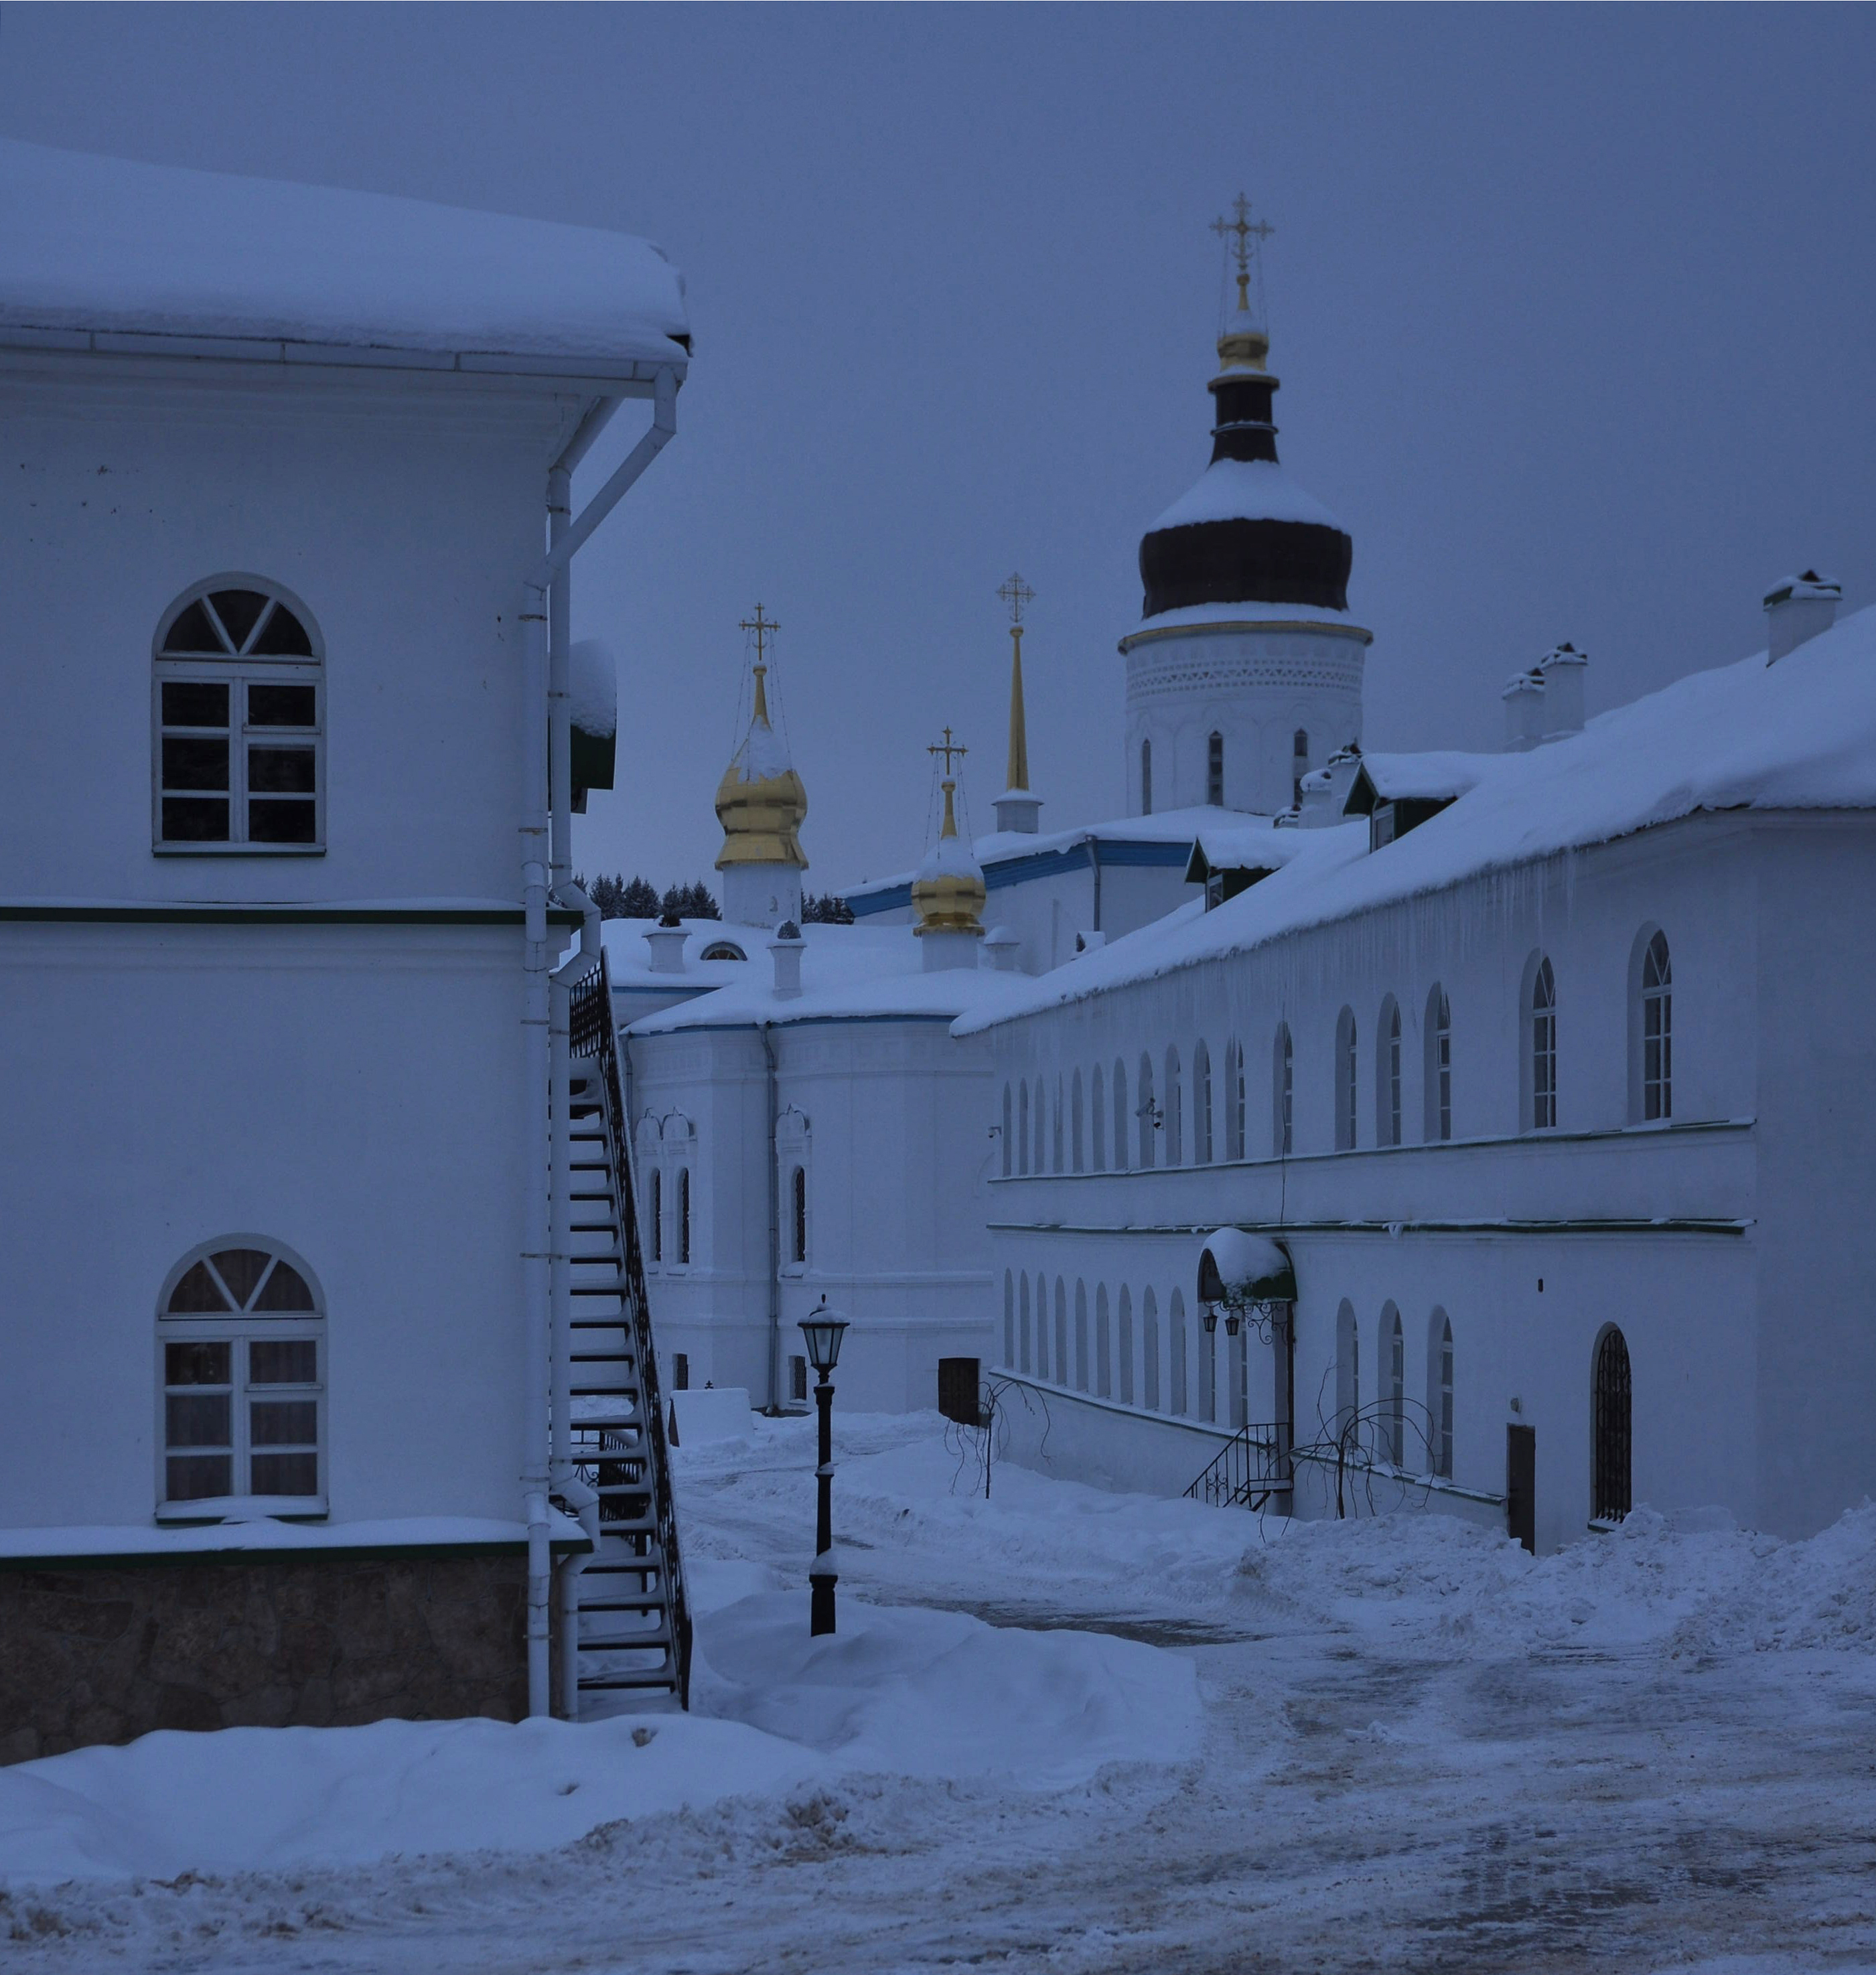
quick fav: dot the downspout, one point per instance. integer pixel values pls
(538, 1253)
(775, 1229)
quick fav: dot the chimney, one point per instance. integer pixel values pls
(787, 948)
(1524, 712)
(1003, 948)
(1797, 608)
(1562, 706)
(665, 943)
(1326, 792)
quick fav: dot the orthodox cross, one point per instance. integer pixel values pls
(1247, 232)
(947, 750)
(764, 628)
(1016, 593)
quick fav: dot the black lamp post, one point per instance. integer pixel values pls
(824, 1332)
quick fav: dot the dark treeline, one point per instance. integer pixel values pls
(620, 898)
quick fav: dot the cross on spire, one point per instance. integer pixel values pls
(1016, 593)
(947, 749)
(764, 629)
(1246, 230)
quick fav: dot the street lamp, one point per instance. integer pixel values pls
(823, 1330)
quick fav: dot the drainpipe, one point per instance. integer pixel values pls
(537, 852)
(775, 1230)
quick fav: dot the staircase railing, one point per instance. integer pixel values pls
(1248, 1470)
(593, 1035)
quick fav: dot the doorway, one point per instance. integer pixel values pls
(1521, 1485)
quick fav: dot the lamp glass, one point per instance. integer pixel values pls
(824, 1334)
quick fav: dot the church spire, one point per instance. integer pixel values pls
(1016, 809)
(948, 892)
(761, 805)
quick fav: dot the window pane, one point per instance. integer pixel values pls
(195, 1478)
(194, 764)
(194, 631)
(241, 1269)
(284, 1423)
(281, 821)
(280, 706)
(195, 819)
(286, 1473)
(282, 636)
(278, 772)
(198, 1419)
(286, 1290)
(288, 1362)
(239, 611)
(198, 1364)
(194, 703)
(197, 1294)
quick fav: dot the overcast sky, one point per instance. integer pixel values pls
(1572, 311)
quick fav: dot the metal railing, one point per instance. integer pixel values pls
(1250, 1468)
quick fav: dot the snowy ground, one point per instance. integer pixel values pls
(1181, 1742)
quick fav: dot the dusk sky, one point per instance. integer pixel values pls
(1572, 309)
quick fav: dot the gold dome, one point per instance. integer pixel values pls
(761, 802)
(947, 894)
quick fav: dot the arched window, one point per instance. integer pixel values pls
(1146, 1112)
(1120, 1116)
(1214, 770)
(1173, 1114)
(1146, 778)
(242, 1329)
(1394, 1370)
(1176, 1336)
(1344, 1081)
(1041, 1120)
(798, 1201)
(239, 752)
(1023, 1330)
(1201, 1104)
(1347, 1368)
(1388, 1074)
(1006, 1151)
(1008, 1318)
(722, 949)
(1061, 1332)
(1299, 765)
(1541, 1043)
(1235, 1094)
(1103, 1346)
(1123, 1345)
(1097, 1121)
(1282, 1095)
(1654, 1031)
(1440, 1394)
(1438, 1068)
(1055, 1128)
(684, 1214)
(1022, 1126)
(1041, 1327)
(1149, 1349)
(1205, 1347)
(1611, 1414)
(1081, 1337)
(657, 1215)
(1075, 1120)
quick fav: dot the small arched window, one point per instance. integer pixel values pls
(684, 1214)
(1347, 1369)
(1541, 1041)
(1176, 1338)
(1103, 1346)
(1055, 1130)
(722, 949)
(1611, 1400)
(1440, 1394)
(1076, 1138)
(1201, 1104)
(238, 753)
(1081, 1337)
(1299, 765)
(1022, 1126)
(1097, 1121)
(1282, 1095)
(1039, 1118)
(1146, 778)
(1123, 1346)
(1172, 1114)
(1042, 1326)
(656, 1216)
(1023, 1331)
(1346, 1105)
(1656, 1024)
(1149, 1347)
(241, 1334)
(798, 1203)
(1006, 1124)
(1145, 1112)
(1008, 1318)
(1388, 1074)
(1438, 1067)
(1235, 1094)
(1120, 1116)
(1214, 770)
(1061, 1332)
(1394, 1370)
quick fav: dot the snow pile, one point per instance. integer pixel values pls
(592, 680)
(1232, 490)
(103, 245)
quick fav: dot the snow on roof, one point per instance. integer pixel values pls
(1259, 489)
(1199, 616)
(1800, 735)
(1437, 775)
(1245, 844)
(1003, 846)
(592, 704)
(98, 245)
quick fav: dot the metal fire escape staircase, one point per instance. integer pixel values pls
(625, 1622)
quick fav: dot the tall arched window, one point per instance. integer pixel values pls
(1097, 1120)
(1041, 1327)
(1145, 1112)
(1123, 1344)
(1214, 770)
(1146, 778)
(1149, 1349)
(1612, 1401)
(240, 732)
(1061, 1332)
(1055, 1128)
(1103, 1346)
(242, 1331)
(1120, 1116)
(1346, 1105)
(798, 1203)
(657, 1216)
(1022, 1126)
(1394, 1370)
(1388, 1074)
(1654, 1032)
(1172, 1113)
(684, 1214)
(1040, 1117)
(1201, 1104)
(1076, 1159)
(1282, 1095)
(1081, 1337)
(1438, 1068)
(1008, 1318)
(1234, 1099)
(1541, 1038)
(1007, 1154)
(1022, 1323)
(1440, 1394)
(1176, 1336)
(1299, 765)
(1348, 1368)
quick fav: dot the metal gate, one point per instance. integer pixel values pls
(1610, 1479)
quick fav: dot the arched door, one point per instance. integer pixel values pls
(1611, 1411)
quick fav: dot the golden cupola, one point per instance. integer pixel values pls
(948, 892)
(761, 802)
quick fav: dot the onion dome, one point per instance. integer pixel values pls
(948, 892)
(761, 802)
(1246, 533)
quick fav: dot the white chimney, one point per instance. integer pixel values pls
(1797, 608)
(1326, 792)
(666, 945)
(1562, 706)
(787, 948)
(1524, 712)
(1003, 948)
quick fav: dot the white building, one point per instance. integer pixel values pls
(283, 466)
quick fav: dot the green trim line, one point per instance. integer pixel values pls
(295, 1553)
(1682, 1225)
(304, 915)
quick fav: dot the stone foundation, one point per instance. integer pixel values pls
(107, 1652)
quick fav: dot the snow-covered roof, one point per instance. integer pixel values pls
(1244, 844)
(1202, 616)
(1799, 734)
(102, 252)
(1257, 490)
(1437, 775)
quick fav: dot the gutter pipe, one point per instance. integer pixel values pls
(775, 1229)
(538, 849)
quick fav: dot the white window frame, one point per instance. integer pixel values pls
(1439, 1067)
(1348, 1102)
(1654, 1003)
(1387, 1074)
(1540, 1046)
